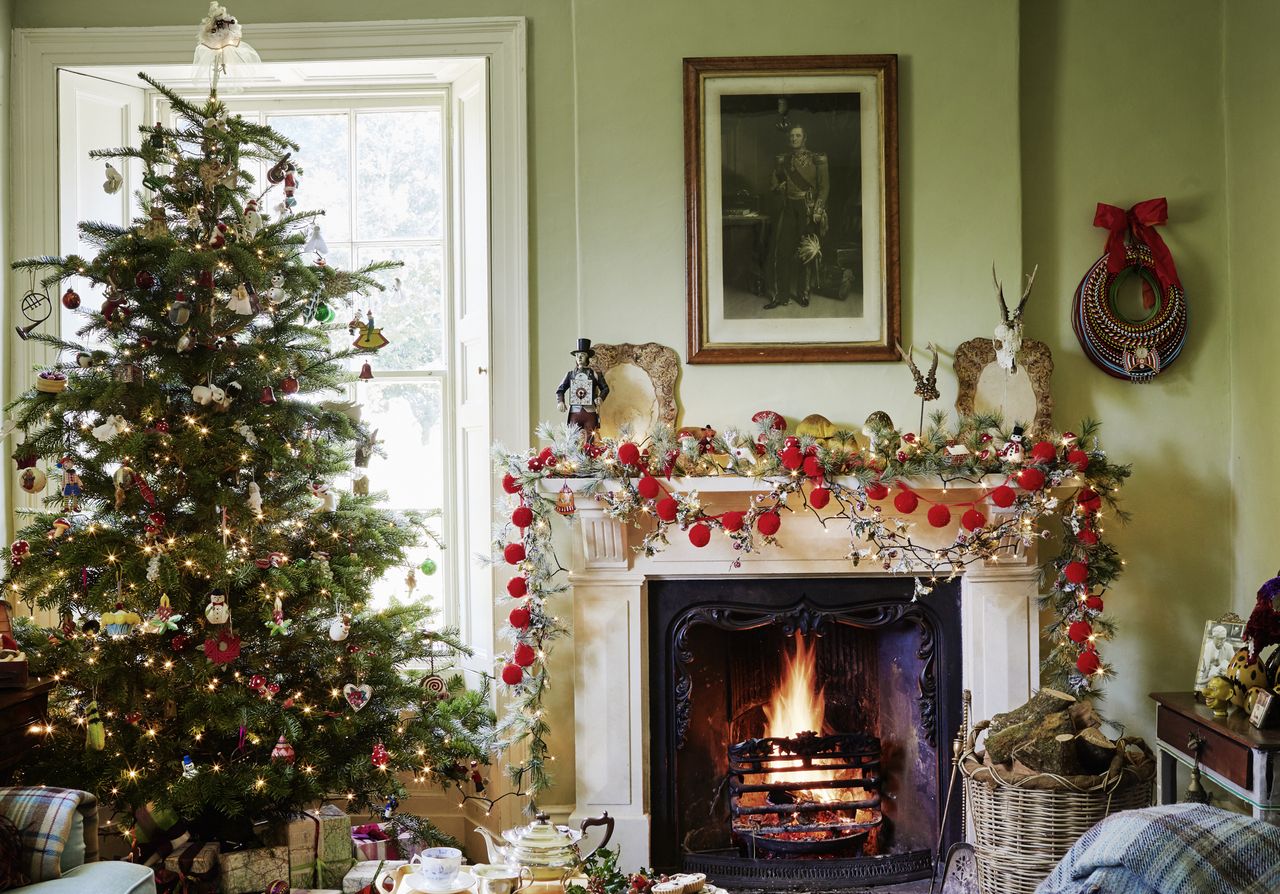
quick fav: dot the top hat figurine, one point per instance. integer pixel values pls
(582, 390)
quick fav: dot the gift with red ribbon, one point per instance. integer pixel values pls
(373, 842)
(1140, 222)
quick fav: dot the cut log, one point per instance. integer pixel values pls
(1096, 751)
(1001, 745)
(1044, 702)
(1052, 754)
(1083, 716)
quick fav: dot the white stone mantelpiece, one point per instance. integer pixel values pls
(999, 622)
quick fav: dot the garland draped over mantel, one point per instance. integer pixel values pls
(842, 482)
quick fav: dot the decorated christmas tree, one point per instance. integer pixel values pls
(218, 656)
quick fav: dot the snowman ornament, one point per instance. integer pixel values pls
(340, 627)
(217, 611)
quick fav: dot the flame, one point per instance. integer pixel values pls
(799, 705)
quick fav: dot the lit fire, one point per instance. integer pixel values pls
(799, 705)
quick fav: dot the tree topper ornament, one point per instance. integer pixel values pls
(1008, 334)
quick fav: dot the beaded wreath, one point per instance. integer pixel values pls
(1137, 350)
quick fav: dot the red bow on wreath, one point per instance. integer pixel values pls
(1140, 220)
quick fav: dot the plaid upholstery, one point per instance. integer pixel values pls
(1174, 849)
(43, 816)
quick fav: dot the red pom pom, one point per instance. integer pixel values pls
(791, 458)
(769, 523)
(1079, 631)
(518, 586)
(906, 502)
(524, 655)
(732, 521)
(973, 520)
(510, 484)
(876, 490)
(1079, 459)
(513, 553)
(1076, 572)
(1088, 662)
(1031, 479)
(522, 517)
(1044, 452)
(647, 486)
(699, 535)
(939, 515)
(812, 467)
(519, 618)
(666, 509)
(1003, 496)
(512, 675)
(1093, 602)
(1089, 500)
(819, 497)
(628, 454)
(1088, 536)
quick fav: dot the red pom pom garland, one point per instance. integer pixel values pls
(667, 508)
(812, 467)
(973, 520)
(522, 517)
(1088, 662)
(819, 497)
(629, 454)
(512, 675)
(700, 535)
(1075, 572)
(939, 515)
(1003, 496)
(518, 587)
(876, 490)
(510, 484)
(769, 523)
(732, 521)
(524, 655)
(1031, 478)
(906, 502)
(514, 553)
(648, 487)
(1079, 631)
(519, 618)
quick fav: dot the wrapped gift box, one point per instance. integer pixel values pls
(324, 835)
(373, 841)
(251, 871)
(361, 874)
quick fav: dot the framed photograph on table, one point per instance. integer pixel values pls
(791, 208)
(1222, 638)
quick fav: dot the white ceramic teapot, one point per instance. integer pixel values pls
(548, 851)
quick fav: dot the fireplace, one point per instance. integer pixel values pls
(802, 728)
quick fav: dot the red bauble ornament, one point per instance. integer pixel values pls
(519, 618)
(1031, 479)
(648, 487)
(667, 508)
(769, 523)
(518, 586)
(145, 280)
(812, 467)
(906, 502)
(524, 655)
(179, 642)
(1076, 572)
(819, 497)
(1003, 496)
(876, 490)
(512, 675)
(1089, 500)
(700, 535)
(939, 515)
(1088, 662)
(628, 454)
(514, 553)
(1093, 602)
(510, 484)
(70, 299)
(973, 520)
(1044, 452)
(1079, 459)
(289, 385)
(791, 458)
(732, 521)
(1079, 631)
(522, 517)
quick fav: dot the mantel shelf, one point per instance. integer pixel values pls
(740, 484)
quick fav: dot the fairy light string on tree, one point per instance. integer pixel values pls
(1059, 485)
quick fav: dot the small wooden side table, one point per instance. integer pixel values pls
(1236, 755)
(19, 709)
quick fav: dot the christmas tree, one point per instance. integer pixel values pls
(218, 657)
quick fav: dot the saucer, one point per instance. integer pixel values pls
(464, 881)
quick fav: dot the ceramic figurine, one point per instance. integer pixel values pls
(582, 391)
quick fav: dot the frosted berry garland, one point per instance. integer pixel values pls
(1066, 477)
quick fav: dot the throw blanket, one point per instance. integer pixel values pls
(43, 816)
(1174, 849)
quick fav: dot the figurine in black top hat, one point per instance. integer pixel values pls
(582, 391)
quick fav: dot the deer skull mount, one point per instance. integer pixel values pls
(1008, 334)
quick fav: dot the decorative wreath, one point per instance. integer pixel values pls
(1137, 350)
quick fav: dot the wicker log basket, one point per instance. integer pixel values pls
(1024, 824)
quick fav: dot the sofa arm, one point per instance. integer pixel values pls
(105, 877)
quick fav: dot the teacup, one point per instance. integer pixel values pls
(437, 867)
(497, 878)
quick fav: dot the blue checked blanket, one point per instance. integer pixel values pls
(43, 817)
(1174, 849)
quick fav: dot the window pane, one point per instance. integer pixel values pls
(324, 183)
(399, 174)
(427, 588)
(410, 426)
(413, 320)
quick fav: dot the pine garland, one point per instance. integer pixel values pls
(1063, 481)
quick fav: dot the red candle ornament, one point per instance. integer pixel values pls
(1076, 572)
(1031, 478)
(524, 655)
(973, 520)
(648, 487)
(700, 535)
(514, 553)
(769, 523)
(512, 675)
(819, 497)
(939, 515)
(522, 517)
(1079, 631)
(906, 502)
(667, 508)
(732, 521)
(518, 586)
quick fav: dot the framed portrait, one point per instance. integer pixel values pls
(1222, 639)
(791, 211)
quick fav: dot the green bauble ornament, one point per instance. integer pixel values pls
(428, 566)
(324, 313)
